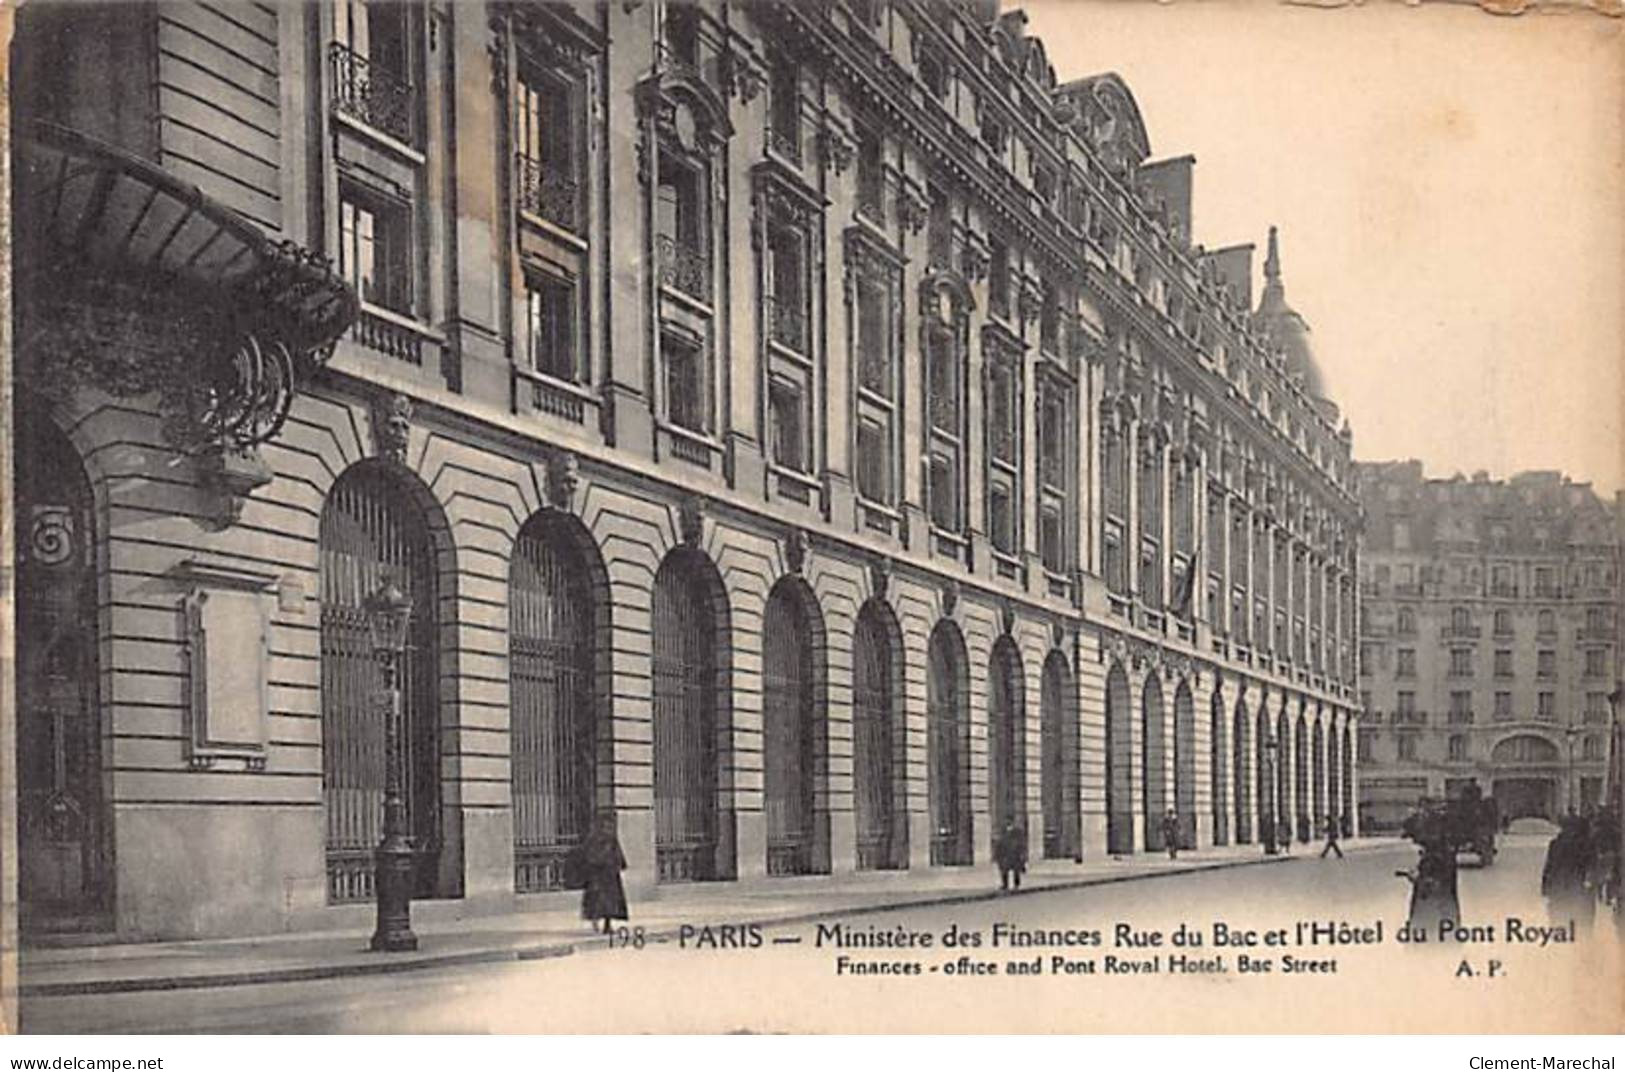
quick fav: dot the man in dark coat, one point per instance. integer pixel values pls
(1010, 853)
(1433, 886)
(1170, 833)
(1563, 881)
(603, 897)
(1331, 825)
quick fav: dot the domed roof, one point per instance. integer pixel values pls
(1285, 327)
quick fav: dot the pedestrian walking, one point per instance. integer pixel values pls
(1170, 833)
(1283, 837)
(602, 861)
(1010, 853)
(1564, 879)
(1331, 838)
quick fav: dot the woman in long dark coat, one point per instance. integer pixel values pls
(603, 897)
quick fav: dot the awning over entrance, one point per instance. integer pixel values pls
(134, 281)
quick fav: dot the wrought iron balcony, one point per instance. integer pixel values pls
(550, 192)
(371, 94)
(684, 267)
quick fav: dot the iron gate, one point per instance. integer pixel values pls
(787, 735)
(685, 744)
(872, 740)
(554, 739)
(949, 757)
(371, 530)
(63, 877)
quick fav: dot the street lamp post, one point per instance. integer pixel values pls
(1572, 733)
(1267, 820)
(388, 613)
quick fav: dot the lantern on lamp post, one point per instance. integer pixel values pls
(389, 612)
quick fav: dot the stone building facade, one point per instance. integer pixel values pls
(1489, 640)
(807, 433)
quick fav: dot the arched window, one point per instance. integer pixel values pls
(1185, 764)
(685, 631)
(881, 839)
(553, 632)
(1006, 763)
(948, 761)
(790, 730)
(1058, 775)
(1119, 763)
(372, 530)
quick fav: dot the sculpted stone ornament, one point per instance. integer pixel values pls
(563, 478)
(392, 426)
(230, 475)
(835, 150)
(691, 520)
(1007, 617)
(880, 575)
(950, 597)
(796, 548)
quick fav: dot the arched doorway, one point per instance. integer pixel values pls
(876, 685)
(792, 704)
(1058, 775)
(1301, 767)
(1185, 764)
(1334, 774)
(373, 529)
(948, 747)
(1119, 763)
(1240, 749)
(1220, 773)
(1007, 788)
(554, 621)
(63, 835)
(1284, 756)
(1347, 755)
(1153, 774)
(1265, 760)
(688, 621)
(1318, 756)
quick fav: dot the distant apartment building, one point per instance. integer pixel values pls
(1488, 640)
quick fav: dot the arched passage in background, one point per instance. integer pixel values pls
(1119, 763)
(792, 729)
(1063, 823)
(947, 688)
(372, 528)
(1006, 706)
(1185, 764)
(688, 626)
(1219, 770)
(877, 739)
(1153, 775)
(557, 618)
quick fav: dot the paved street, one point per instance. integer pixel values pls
(784, 980)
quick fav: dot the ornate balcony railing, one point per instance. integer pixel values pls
(548, 192)
(373, 95)
(684, 267)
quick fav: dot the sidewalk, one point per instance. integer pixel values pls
(559, 931)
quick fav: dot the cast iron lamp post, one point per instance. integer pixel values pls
(388, 613)
(1267, 820)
